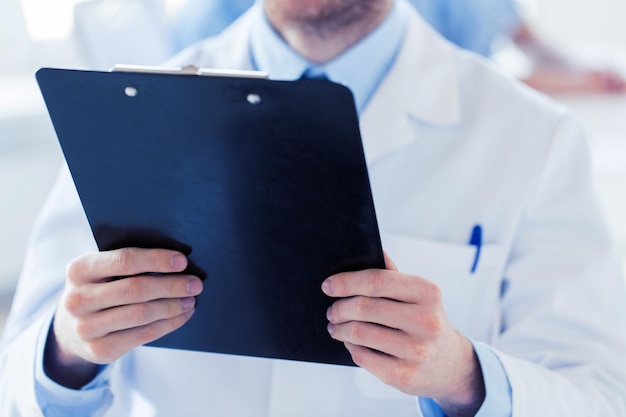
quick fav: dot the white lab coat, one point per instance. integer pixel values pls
(450, 143)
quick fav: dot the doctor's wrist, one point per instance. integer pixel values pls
(65, 369)
(470, 392)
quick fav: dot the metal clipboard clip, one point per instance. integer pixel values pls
(190, 70)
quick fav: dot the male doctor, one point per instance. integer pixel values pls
(502, 296)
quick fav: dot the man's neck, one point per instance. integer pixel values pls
(323, 29)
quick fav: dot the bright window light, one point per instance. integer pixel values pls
(48, 20)
(171, 6)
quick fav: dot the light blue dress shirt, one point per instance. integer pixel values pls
(271, 54)
(58, 401)
(470, 24)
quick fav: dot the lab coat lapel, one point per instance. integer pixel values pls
(421, 87)
(236, 43)
(229, 50)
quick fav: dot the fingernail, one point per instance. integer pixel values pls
(178, 261)
(189, 313)
(330, 328)
(188, 302)
(329, 315)
(327, 287)
(194, 286)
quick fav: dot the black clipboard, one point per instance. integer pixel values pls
(262, 183)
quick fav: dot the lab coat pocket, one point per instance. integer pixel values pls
(471, 293)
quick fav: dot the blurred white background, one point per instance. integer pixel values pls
(35, 33)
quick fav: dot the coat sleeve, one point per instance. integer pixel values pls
(17, 373)
(43, 275)
(563, 334)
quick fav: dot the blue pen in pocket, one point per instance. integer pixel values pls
(476, 239)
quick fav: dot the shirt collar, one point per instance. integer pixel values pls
(271, 54)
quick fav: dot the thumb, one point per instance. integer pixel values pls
(389, 263)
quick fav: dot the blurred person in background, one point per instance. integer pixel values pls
(474, 25)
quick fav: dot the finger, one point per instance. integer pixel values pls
(410, 318)
(134, 290)
(382, 283)
(389, 263)
(614, 82)
(389, 369)
(111, 347)
(126, 317)
(382, 339)
(99, 266)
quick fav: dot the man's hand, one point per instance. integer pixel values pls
(113, 303)
(395, 327)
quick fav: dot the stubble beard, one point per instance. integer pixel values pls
(325, 19)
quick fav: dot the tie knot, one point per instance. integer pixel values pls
(314, 74)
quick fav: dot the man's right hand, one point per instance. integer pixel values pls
(113, 303)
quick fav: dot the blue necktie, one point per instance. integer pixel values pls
(310, 74)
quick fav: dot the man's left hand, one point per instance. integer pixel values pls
(394, 326)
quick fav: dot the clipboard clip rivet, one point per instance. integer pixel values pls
(254, 99)
(131, 91)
